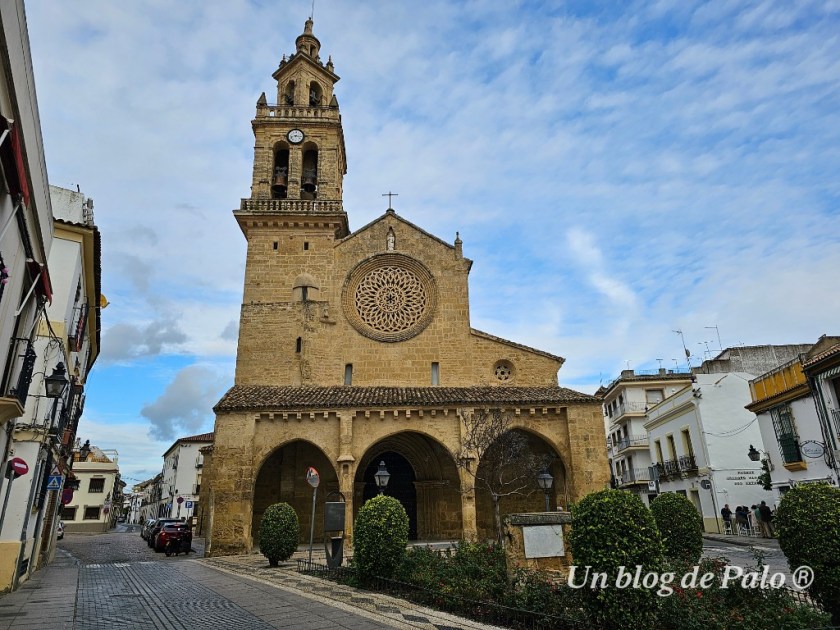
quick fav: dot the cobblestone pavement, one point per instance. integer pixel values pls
(115, 581)
(740, 551)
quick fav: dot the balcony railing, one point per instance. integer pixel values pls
(687, 463)
(292, 206)
(634, 476)
(629, 407)
(24, 357)
(836, 415)
(670, 467)
(632, 441)
(789, 448)
(297, 112)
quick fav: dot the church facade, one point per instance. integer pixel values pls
(356, 348)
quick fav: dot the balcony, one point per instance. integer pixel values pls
(835, 413)
(25, 353)
(634, 476)
(296, 112)
(669, 468)
(687, 464)
(632, 441)
(291, 206)
(628, 407)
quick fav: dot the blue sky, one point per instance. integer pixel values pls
(616, 170)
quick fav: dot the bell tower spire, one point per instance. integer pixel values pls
(299, 156)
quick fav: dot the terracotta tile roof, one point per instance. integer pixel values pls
(835, 349)
(202, 437)
(239, 398)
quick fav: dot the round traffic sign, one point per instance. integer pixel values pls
(312, 477)
(180, 500)
(66, 496)
(18, 466)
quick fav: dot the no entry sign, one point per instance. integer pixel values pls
(18, 467)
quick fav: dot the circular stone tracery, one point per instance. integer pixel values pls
(390, 297)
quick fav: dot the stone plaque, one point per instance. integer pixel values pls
(543, 541)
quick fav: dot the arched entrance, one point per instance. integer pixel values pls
(530, 498)
(400, 485)
(282, 478)
(424, 479)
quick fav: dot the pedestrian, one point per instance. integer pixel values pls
(741, 520)
(726, 513)
(765, 518)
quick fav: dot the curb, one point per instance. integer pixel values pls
(738, 540)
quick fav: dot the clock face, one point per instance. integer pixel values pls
(295, 136)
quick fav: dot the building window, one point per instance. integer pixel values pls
(96, 485)
(785, 428)
(654, 396)
(435, 373)
(92, 513)
(305, 246)
(348, 374)
(68, 513)
(276, 245)
(298, 345)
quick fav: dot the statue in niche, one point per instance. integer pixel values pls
(390, 240)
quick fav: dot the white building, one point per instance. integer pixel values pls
(703, 433)
(798, 440)
(66, 345)
(90, 511)
(626, 401)
(182, 467)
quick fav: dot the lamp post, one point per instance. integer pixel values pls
(382, 476)
(754, 454)
(56, 382)
(84, 451)
(545, 481)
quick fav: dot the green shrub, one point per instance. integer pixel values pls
(808, 525)
(279, 531)
(679, 526)
(380, 536)
(610, 529)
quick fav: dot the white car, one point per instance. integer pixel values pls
(60, 530)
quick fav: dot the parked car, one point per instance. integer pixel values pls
(178, 534)
(60, 530)
(147, 528)
(155, 529)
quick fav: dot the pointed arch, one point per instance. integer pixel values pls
(282, 479)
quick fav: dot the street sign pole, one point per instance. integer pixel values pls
(313, 479)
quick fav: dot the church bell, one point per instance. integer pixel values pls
(281, 182)
(309, 181)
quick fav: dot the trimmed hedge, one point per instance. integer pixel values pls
(279, 532)
(611, 529)
(680, 527)
(380, 536)
(808, 526)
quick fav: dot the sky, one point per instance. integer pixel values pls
(617, 171)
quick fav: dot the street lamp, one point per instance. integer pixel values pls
(545, 481)
(84, 451)
(56, 382)
(382, 476)
(753, 454)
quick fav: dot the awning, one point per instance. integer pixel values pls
(11, 157)
(42, 283)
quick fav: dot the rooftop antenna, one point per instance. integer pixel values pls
(312, 12)
(720, 346)
(687, 353)
(627, 363)
(660, 363)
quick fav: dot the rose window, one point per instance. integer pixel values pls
(503, 371)
(389, 297)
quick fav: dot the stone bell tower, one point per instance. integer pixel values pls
(293, 217)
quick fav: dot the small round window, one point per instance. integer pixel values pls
(503, 371)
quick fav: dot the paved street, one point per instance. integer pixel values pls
(116, 580)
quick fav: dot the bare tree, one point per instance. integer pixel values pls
(505, 465)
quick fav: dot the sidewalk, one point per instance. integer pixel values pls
(46, 600)
(400, 612)
(744, 541)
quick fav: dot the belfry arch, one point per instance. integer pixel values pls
(424, 478)
(533, 499)
(282, 478)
